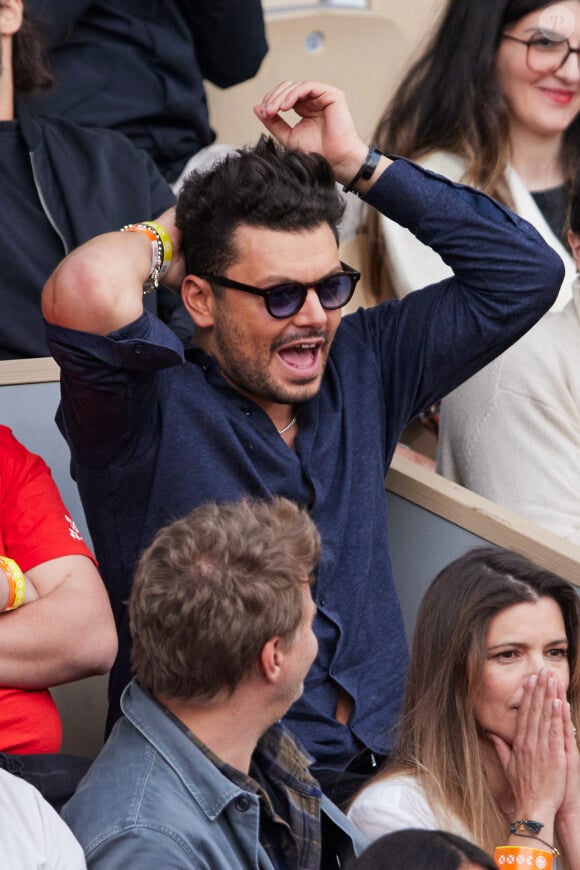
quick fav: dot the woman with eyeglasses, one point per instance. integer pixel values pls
(487, 744)
(493, 101)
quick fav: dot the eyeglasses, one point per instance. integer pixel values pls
(545, 55)
(286, 300)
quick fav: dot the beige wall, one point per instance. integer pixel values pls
(363, 51)
(414, 17)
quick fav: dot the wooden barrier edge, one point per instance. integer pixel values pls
(28, 371)
(483, 518)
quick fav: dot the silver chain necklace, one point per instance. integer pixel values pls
(287, 426)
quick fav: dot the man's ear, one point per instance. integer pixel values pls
(199, 300)
(10, 17)
(271, 659)
(574, 242)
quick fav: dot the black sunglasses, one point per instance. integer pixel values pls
(286, 300)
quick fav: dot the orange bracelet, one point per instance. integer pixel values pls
(16, 583)
(161, 250)
(522, 856)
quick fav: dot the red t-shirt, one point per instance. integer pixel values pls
(35, 527)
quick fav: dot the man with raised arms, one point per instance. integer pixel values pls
(278, 395)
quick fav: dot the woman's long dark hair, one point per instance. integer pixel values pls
(30, 68)
(451, 100)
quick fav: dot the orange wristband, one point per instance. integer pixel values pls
(522, 856)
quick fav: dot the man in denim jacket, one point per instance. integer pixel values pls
(199, 771)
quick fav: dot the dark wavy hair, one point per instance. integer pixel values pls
(450, 99)
(30, 68)
(414, 849)
(264, 186)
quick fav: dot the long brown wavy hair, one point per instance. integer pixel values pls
(440, 742)
(450, 99)
(30, 68)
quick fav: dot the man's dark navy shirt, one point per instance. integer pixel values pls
(153, 435)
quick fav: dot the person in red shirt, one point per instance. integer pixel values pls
(62, 628)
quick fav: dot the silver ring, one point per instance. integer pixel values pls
(573, 730)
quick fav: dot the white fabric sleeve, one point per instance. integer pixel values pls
(31, 832)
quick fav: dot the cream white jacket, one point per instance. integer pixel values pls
(512, 431)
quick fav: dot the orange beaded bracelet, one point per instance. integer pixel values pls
(161, 250)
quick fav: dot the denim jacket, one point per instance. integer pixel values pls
(152, 799)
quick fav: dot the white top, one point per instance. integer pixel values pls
(414, 265)
(397, 803)
(32, 834)
(512, 432)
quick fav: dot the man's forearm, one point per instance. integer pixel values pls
(63, 636)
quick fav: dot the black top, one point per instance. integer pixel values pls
(59, 186)
(139, 66)
(31, 248)
(553, 204)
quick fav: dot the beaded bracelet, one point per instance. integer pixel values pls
(529, 829)
(161, 251)
(555, 852)
(16, 583)
(522, 856)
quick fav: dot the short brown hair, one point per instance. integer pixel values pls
(213, 588)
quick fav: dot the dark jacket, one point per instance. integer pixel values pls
(88, 182)
(139, 65)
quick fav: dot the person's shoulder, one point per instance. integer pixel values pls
(7, 439)
(445, 163)
(545, 354)
(31, 827)
(19, 798)
(354, 324)
(389, 804)
(93, 137)
(391, 787)
(12, 450)
(105, 802)
(15, 790)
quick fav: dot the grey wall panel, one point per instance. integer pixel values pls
(421, 544)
